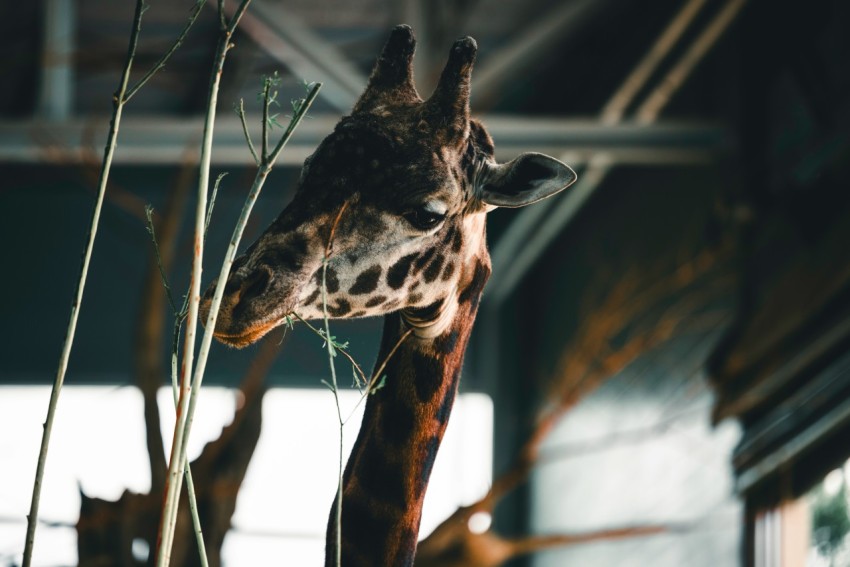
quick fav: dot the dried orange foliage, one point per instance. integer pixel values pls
(641, 311)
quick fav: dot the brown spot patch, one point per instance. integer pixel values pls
(331, 280)
(428, 458)
(472, 292)
(375, 301)
(448, 271)
(449, 235)
(397, 274)
(312, 297)
(340, 309)
(367, 281)
(379, 477)
(424, 259)
(397, 423)
(427, 375)
(290, 255)
(433, 270)
(457, 243)
(447, 342)
(445, 408)
(362, 526)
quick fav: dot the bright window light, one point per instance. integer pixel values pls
(98, 445)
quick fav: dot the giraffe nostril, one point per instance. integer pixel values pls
(233, 285)
(256, 283)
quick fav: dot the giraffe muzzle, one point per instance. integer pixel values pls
(243, 315)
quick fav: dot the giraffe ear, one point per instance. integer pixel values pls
(525, 180)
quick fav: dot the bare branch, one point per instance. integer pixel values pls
(164, 59)
(240, 110)
(186, 406)
(118, 105)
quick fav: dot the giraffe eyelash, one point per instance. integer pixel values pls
(424, 217)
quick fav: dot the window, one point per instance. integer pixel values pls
(98, 445)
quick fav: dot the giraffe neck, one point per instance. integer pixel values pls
(403, 425)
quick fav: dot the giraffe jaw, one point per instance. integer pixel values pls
(434, 324)
(246, 337)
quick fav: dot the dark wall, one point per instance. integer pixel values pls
(47, 210)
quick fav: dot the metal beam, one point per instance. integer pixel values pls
(515, 254)
(504, 65)
(290, 41)
(511, 248)
(674, 79)
(56, 90)
(616, 107)
(162, 140)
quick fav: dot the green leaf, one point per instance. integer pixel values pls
(381, 383)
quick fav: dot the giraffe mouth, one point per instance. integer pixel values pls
(246, 337)
(251, 308)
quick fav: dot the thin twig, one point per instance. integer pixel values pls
(164, 59)
(321, 334)
(300, 112)
(163, 277)
(335, 390)
(378, 372)
(240, 110)
(265, 125)
(179, 317)
(335, 387)
(222, 20)
(389, 356)
(188, 397)
(212, 202)
(190, 482)
(371, 382)
(173, 481)
(117, 108)
(148, 343)
(529, 544)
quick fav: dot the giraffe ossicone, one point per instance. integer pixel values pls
(390, 214)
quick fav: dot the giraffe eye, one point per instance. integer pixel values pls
(423, 218)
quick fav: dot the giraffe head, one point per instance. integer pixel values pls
(389, 210)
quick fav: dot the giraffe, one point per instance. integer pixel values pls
(390, 211)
